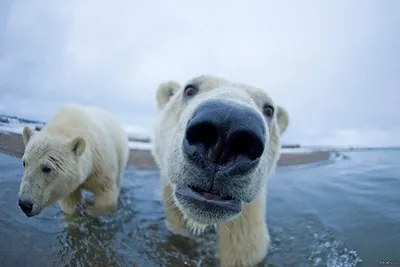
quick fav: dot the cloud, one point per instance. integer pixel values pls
(334, 65)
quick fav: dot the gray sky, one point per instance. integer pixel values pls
(335, 65)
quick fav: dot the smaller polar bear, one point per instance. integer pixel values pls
(80, 148)
(216, 142)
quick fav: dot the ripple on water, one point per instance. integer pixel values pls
(305, 241)
(314, 215)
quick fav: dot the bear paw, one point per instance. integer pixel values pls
(92, 211)
(96, 211)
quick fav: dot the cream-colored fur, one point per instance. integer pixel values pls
(243, 239)
(86, 149)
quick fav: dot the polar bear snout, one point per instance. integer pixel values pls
(225, 137)
(30, 204)
(26, 207)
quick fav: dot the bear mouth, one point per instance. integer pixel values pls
(212, 197)
(211, 194)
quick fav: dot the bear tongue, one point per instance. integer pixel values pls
(212, 196)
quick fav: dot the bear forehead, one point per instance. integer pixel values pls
(210, 82)
(40, 149)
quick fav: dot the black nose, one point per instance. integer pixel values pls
(222, 133)
(26, 207)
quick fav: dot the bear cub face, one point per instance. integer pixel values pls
(216, 141)
(50, 170)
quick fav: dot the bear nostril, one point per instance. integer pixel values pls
(202, 133)
(246, 143)
(25, 206)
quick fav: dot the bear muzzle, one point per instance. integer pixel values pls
(223, 143)
(26, 207)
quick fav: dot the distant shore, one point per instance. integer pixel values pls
(12, 144)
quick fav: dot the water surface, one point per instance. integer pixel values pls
(343, 213)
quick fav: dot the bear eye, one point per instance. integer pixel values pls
(268, 111)
(23, 163)
(46, 169)
(190, 90)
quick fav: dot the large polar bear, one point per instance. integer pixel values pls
(216, 142)
(80, 148)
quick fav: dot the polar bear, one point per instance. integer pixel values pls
(216, 142)
(80, 148)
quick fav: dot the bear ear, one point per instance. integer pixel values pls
(165, 91)
(78, 145)
(283, 119)
(27, 133)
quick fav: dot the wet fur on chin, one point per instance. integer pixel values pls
(195, 227)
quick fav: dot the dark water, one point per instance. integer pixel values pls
(344, 213)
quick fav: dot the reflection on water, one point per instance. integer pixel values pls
(340, 214)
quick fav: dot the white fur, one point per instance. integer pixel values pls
(86, 148)
(243, 240)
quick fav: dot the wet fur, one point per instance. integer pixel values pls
(87, 149)
(244, 239)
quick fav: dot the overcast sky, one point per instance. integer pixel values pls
(335, 65)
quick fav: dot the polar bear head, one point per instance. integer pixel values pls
(216, 142)
(51, 169)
